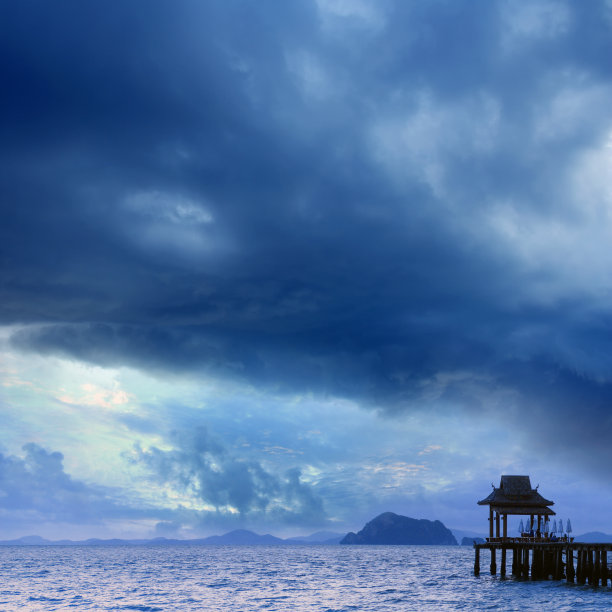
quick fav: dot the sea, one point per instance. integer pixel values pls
(287, 578)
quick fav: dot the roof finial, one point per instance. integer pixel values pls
(493, 485)
(537, 486)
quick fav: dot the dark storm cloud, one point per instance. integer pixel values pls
(201, 466)
(301, 198)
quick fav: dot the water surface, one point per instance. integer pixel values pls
(308, 578)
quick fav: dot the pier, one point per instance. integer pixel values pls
(577, 562)
(537, 554)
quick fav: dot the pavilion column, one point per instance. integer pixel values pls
(497, 525)
(505, 517)
(490, 522)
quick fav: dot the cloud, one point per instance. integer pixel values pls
(217, 491)
(403, 204)
(534, 22)
(36, 488)
(225, 484)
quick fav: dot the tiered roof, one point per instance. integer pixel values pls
(515, 496)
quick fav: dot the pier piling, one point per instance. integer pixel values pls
(569, 564)
(544, 560)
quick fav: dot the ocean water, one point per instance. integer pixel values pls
(242, 578)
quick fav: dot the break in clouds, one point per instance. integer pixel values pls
(404, 204)
(219, 489)
(203, 468)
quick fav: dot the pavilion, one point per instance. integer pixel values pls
(515, 496)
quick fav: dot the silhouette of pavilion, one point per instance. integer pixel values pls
(515, 496)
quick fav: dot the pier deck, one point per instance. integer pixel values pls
(582, 562)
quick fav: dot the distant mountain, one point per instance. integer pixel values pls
(239, 537)
(320, 537)
(594, 536)
(388, 528)
(242, 537)
(472, 541)
(460, 534)
(391, 528)
(38, 541)
(31, 540)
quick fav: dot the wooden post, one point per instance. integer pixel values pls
(589, 566)
(558, 564)
(569, 564)
(476, 561)
(582, 559)
(497, 531)
(540, 523)
(604, 568)
(596, 568)
(490, 522)
(526, 562)
(493, 564)
(514, 560)
(548, 565)
(536, 564)
(505, 526)
(541, 564)
(503, 562)
(562, 565)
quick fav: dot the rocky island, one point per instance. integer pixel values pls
(391, 528)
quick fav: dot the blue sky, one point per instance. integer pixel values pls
(286, 265)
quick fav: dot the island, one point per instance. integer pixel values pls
(391, 528)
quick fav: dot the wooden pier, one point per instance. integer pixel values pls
(541, 560)
(538, 554)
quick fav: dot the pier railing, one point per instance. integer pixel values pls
(522, 539)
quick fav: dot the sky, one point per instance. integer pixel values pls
(284, 266)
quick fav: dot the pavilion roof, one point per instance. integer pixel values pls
(516, 492)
